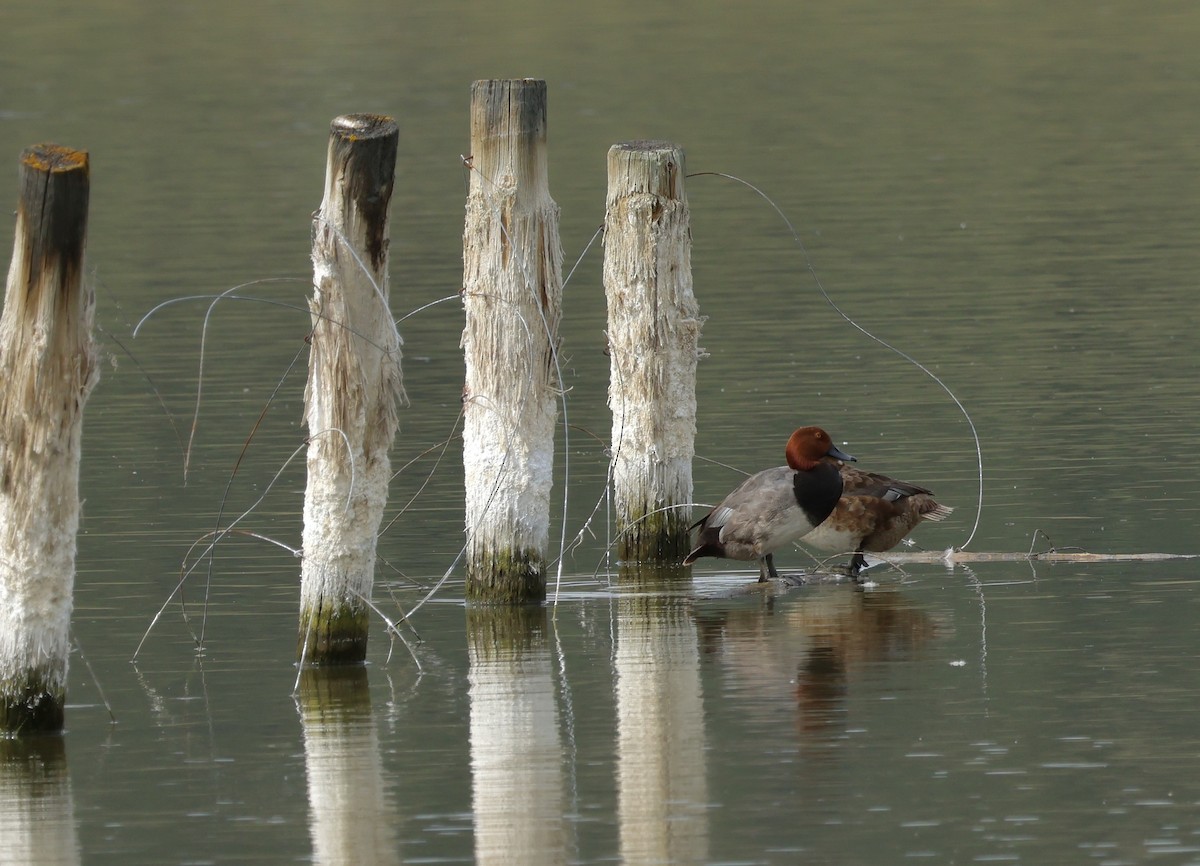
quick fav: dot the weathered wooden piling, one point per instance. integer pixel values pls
(653, 329)
(354, 388)
(512, 294)
(47, 369)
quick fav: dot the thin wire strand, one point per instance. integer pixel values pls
(185, 571)
(112, 717)
(237, 465)
(821, 288)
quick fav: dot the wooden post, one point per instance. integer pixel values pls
(512, 295)
(354, 387)
(653, 328)
(47, 369)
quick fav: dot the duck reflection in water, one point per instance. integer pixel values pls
(802, 654)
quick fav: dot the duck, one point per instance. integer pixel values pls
(777, 506)
(874, 514)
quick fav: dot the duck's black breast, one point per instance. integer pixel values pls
(817, 491)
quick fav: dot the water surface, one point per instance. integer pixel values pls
(1006, 192)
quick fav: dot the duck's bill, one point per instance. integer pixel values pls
(834, 451)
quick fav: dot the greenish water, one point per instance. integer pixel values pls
(1006, 192)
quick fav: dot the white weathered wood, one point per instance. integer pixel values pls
(354, 387)
(653, 330)
(47, 369)
(512, 296)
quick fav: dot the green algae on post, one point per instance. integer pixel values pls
(333, 633)
(506, 577)
(660, 536)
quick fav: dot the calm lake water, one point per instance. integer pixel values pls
(1007, 192)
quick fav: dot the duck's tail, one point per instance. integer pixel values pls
(705, 549)
(936, 512)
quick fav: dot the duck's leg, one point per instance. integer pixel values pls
(857, 563)
(766, 568)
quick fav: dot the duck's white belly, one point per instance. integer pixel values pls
(833, 538)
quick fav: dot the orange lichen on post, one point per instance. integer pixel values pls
(54, 158)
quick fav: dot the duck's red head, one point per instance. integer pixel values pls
(808, 446)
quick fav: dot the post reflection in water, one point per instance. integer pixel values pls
(350, 819)
(811, 644)
(516, 746)
(37, 823)
(662, 788)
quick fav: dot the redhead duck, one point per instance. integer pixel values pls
(776, 506)
(874, 514)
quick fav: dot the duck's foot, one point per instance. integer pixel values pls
(766, 569)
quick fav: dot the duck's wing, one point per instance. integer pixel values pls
(906, 504)
(755, 505)
(857, 482)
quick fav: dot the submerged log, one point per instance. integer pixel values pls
(47, 370)
(953, 556)
(653, 329)
(512, 296)
(354, 388)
